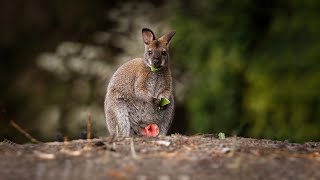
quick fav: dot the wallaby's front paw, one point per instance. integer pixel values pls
(156, 101)
(164, 103)
(159, 103)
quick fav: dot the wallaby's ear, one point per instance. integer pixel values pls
(167, 37)
(148, 36)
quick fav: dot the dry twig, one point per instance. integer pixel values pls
(89, 127)
(24, 132)
(133, 151)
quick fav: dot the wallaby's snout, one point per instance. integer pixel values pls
(156, 62)
(157, 59)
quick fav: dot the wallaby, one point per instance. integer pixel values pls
(133, 103)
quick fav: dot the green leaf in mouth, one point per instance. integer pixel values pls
(153, 68)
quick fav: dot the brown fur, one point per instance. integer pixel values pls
(134, 91)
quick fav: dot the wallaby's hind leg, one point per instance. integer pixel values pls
(110, 121)
(122, 119)
(110, 118)
(117, 119)
(117, 122)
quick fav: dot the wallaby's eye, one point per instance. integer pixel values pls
(164, 53)
(149, 52)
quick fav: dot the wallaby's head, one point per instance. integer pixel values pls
(156, 50)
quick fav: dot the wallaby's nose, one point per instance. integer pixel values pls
(156, 62)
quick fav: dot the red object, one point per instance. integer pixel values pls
(152, 130)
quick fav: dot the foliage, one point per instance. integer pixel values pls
(255, 66)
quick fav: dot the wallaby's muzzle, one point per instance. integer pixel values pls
(156, 62)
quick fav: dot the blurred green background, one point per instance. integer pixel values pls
(247, 68)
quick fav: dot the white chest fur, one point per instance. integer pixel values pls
(155, 84)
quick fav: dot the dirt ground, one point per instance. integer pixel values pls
(163, 158)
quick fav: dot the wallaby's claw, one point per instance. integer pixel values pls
(163, 107)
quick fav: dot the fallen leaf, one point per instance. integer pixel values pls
(221, 135)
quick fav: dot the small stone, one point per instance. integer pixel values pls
(165, 143)
(226, 150)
